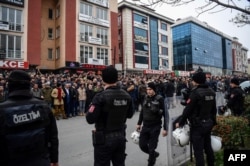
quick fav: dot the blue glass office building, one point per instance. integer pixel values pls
(196, 44)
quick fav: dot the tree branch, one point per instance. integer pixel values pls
(231, 6)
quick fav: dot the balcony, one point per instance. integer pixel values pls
(11, 26)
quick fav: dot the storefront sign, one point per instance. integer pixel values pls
(141, 66)
(14, 2)
(90, 66)
(14, 64)
(72, 64)
(153, 72)
(141, 38)
(95, 61)
(93, 20)
(95, 40)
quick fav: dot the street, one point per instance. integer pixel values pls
(75, 144)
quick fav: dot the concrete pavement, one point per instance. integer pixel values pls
(75, 144)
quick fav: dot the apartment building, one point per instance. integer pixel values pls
(58, 35)
(145, 42)
(239, 56)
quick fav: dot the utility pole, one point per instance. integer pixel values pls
(114, 54)
(185, 56)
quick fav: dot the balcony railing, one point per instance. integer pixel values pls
(15, 54)
(12, 26)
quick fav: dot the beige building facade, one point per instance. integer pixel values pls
(59, 34)
(144, 38)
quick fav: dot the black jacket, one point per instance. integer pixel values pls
(236, 100)
(201, 105)
(110, 109)
(156, 116)
(28, 131)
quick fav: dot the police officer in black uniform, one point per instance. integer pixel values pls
(235, 98)
(201, 113)
(151, 117)
(109, 110)
(28, 130)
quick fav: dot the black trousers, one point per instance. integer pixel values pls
(149, 138)
(113, 150)
(201, 140)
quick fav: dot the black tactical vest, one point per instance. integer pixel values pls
(116, 105)
(206, 100)
(151, 109)
(24, 128)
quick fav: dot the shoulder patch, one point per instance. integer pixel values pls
(91, 108)
(188, 101)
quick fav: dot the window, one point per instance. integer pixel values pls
(58, 53)
(165, 63)
(164, 38)
(18, 21)
(119, 20)
(141, 46)
(13, 17)
(50, 53)
(103, 34)
(140, 32)
(140, 18)
(3, 45)
(141, 59)
(57, 11)
(50, 13)
(86, 52)
(102, 13)
(11, 41)
(102, 53)
(164, 26)
(50, 33)
(17, 47)
(57, 32)
(164, 50)
(86, 9)
(11, 46)
(85, 32)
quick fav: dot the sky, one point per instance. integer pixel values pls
(219, 20)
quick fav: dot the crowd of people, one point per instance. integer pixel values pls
(78, 90)
(107, 100)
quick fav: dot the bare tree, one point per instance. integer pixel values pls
(212, 6)
(241, 19)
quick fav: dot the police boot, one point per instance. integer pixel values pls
(152, 158)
